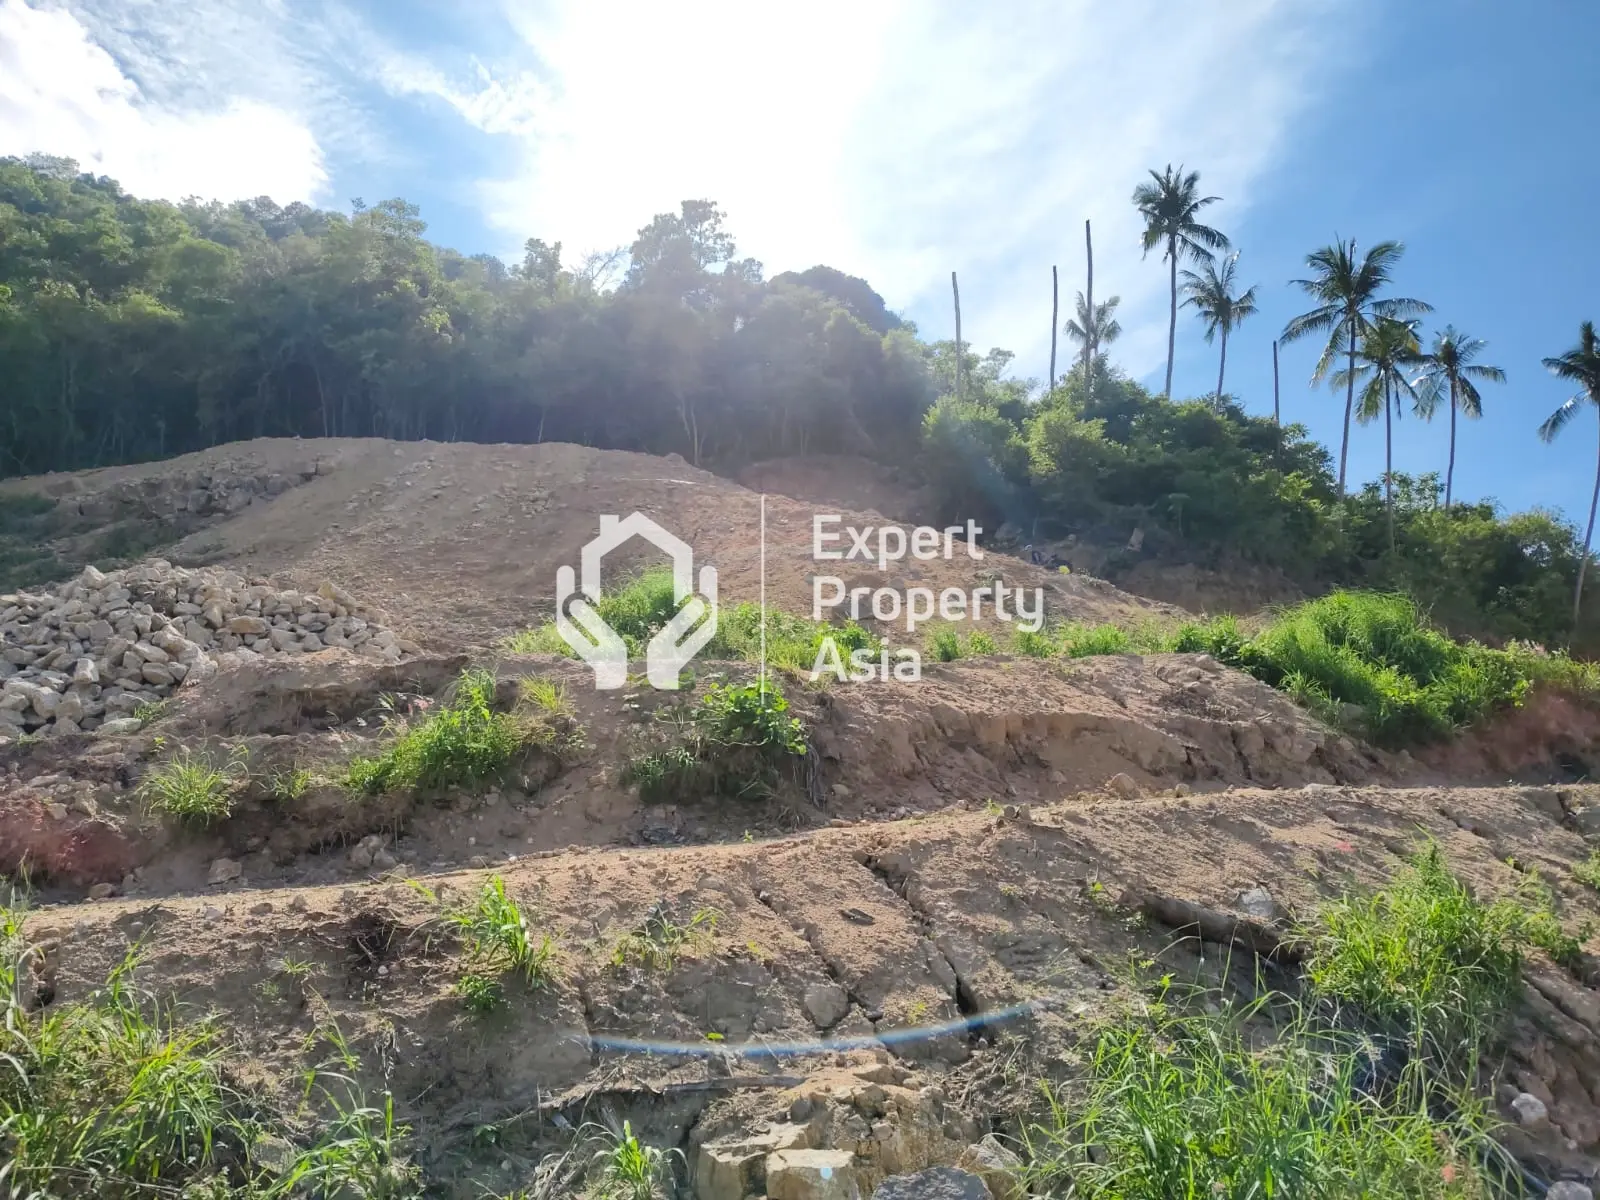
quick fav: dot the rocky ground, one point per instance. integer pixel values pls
(869, 988)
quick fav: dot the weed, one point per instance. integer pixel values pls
(1424, 959)
(979, 644)
(1588, 871)
(944, 645)
(479, 993)
(289, 784)
(466, 742)
(497, 938)
(735, 741)
(194, 786)
(628, 1169)
(1190, 1106)
(542, 639)
(1033, 643)
(549, 695)
(150, 711)
(657, 944)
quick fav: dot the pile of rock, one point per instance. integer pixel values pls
(91, 653)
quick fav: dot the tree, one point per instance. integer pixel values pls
(1347, 292)
(1210, 292)
(1448, 369)
(1387, 347)
(1170, 206)
(1580, 365)
(1096, 329)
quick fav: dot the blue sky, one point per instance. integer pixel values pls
(900, 139)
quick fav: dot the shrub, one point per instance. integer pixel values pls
(497, 939)
(1588, 871)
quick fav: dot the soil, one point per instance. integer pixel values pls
(987, 861)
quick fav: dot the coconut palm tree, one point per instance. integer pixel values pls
(1210, 292)
(1388, 346)
(1448, 369)
(1347, 295)
(1580, 365)
(1096, 329)
(1170, 206)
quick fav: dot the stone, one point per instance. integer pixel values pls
(1587, 819)
(120, 725)
(92, 577)
(1258, 903)
(150, 653)
(826, 1004)
(1567, 1189)
(996, 1165)
(812, 1175)
(1124, 786)
(213, 913)
(936, 1183)
(247, 625)
(84, 671)
(102, 891)
(157, 673)
(224, 870)
(728, 1172)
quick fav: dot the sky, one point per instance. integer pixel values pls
(899, 140)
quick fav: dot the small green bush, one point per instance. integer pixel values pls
(1423, 959)
(194, 786)
(737, 740)
(1588, 871)
(466, 742)
(496, 935)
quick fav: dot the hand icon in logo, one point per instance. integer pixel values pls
(680, 639)
(602, 648)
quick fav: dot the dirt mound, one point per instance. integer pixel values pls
(912, 975)
(461, 543)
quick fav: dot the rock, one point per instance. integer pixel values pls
(826, 1004)
(84, 671)
(1180, 790)
(223, 870)
(1529, 1109)
(102, 891)
(812, 1175)
(1258, 903)
(157, 673)
(69, 708)
(1587, 819)
(364, 853)
(936, 1183)
(1566, 1189)
(1124, 786)
(247, 625)
(996, 1165)
(729, 1172)
(120, 725)
(213, 913)
(92, 577)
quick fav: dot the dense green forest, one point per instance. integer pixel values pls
(134, 329)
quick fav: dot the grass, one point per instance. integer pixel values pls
(627, 1169)
(1180, 1106)
(289, 784)
(479, 993)
(735, 740)
(114, 1095)
(1424, 960)
(497, 939)
(1588, 871)
(660, 941)
(465, 742)
(194, 786)
(642, 606)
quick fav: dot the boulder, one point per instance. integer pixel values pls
(812, 1175)
(120, 725)
(936, 1183)
(996, 1165)
(826, 1004)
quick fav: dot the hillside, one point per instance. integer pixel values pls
(525, 911)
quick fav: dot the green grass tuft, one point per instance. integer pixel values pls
(464, 743)
(193, 786)
(736, 740)
(497, 938)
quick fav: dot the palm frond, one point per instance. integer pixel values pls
(1558, 420)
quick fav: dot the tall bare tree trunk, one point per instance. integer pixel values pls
(1172, 323)
(1450, 470)
(1055, 320)
(955, 291)
(1222, 367)
(1091, 335)
(1275, 419)
(1388, 460)
(1349, 403)
(1583, 563)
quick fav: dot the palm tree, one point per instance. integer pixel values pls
(1170, 206)
(1387, 346)
(1210, 291)
(1581, 365)
(1449, 365)
(1096, 329)
(1347, 292)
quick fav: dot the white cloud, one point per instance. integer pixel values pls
(62, 93)
(902, 139)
